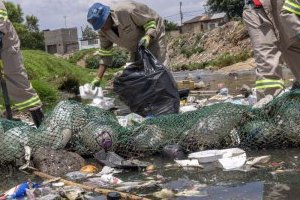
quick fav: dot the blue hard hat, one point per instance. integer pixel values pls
(97, 15)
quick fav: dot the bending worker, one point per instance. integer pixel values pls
(127, 24)
(263, 19)
(18, 85)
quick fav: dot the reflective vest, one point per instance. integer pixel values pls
(291, 6)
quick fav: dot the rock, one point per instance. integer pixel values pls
(173, 151)
(57, 162)
(50, 197)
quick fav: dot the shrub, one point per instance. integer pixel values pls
(119, 58)
(227, 59)
(92, 62)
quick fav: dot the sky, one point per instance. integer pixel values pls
(54, 13)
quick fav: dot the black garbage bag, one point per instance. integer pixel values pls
(147, 87)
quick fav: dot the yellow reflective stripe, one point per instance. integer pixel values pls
(4, 18)
(291, 7)
(269, 81)
(269, 86)
(150, 24)
(103, 52)
(3, 15)
(28, 103)
(3, 12)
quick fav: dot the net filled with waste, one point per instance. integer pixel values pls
(87, 130)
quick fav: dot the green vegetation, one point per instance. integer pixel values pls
(48, 74)
(170, 26)
(28, 31)
(223, 60)
(227, 59)
(234, 8)
(189, 47)
(188, 52)
(77, 56)
(119, 59)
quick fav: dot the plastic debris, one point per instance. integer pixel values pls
(19, 191)
(77, 175)
(189, 163)
(189, 108)
(130, 119)
(88, 92)
(111, 159)
(258, 160)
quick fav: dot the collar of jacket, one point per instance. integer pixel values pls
(114, 17)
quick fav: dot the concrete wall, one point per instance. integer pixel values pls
(61, 41)
(204, 26)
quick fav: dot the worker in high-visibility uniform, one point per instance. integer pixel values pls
(264, 39)
(127, 24)
(18, 85)
(264, 24)
(290, 27)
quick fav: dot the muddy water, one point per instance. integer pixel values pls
(232, 81)
(215, 183)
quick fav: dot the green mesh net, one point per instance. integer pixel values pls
(87, 130)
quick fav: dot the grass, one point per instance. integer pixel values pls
(48, 73)
(223, 60)
(80, 55)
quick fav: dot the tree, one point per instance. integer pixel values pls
(234, 8)
(15, 13)
(32, 23)
(30, 35)
(170, 26)
(89, 33)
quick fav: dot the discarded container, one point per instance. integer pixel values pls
(233, 162)
(228, 158)
(207, 156)
(89, 169)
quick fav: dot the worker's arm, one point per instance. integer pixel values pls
(145, 17)
(105, 53)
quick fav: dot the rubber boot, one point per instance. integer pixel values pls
(37, 116)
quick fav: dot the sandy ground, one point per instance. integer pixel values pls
(238, 67)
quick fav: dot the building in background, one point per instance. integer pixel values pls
(61, 41)
(89, 44)
(205, 22)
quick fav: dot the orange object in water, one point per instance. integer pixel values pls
(89, 169)
(257, 3)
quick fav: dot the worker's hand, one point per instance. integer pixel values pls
(145, 41)
(96, 82)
